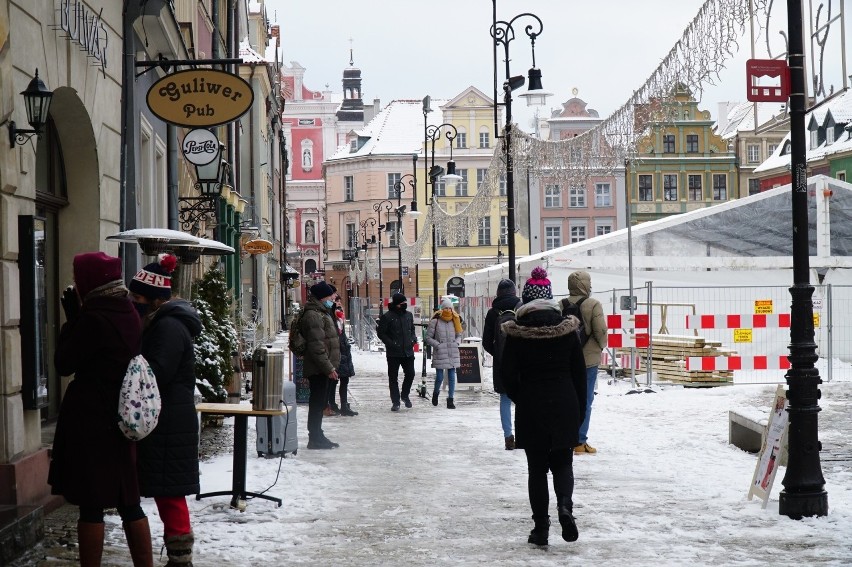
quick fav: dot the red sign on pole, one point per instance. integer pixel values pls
(773, 68)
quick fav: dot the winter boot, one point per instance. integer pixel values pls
(435, 398)
(179, 550)
(347, 411)
(566, 520)
(510, 443)
(138, 535)
(90, 539)
(319, 443)
(539, 533)
(450, 404)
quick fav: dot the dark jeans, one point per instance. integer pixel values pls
(316, 403)
(344, 390)
(407, 363)
(561, 463)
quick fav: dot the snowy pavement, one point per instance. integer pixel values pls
(432, 486)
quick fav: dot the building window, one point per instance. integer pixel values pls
(552, 197)
(575, 154)
(504, 230)
(461, 187)
(692, 143)
(440, 237)
(668, 143)
(753, 153)
(841, 176)
(577, 197)
(393, 179)
(461, 140)
(439, 188)
(695, 193)
(502, 185)
(814, 138)
(602, 229)
(578, 233)
(390, 229)
(351, 235)
(484, 232)
(552, 237)
(670, 187)
(484, 139)
(753, 186)
(348, 188)
(480, 177)
(829, 135)
(720, 187)
(771, 148)
(646, 188)
(603, 195)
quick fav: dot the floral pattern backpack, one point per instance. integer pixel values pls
(139, 400)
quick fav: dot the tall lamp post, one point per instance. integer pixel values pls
(364, 224)
(399, 188)
(503, 33)
(387, 205)
(804, 486)
(433, 172)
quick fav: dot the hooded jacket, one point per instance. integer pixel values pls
(168, 457)
(489, 335)
(322, 356)
(544, 374)
(580, 286)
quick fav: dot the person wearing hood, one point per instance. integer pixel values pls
(168, 457)
(503, 309)
(93, 465)
(444, 335)
(345, 370)
(544, 374)
(396, 330)
(594, 320)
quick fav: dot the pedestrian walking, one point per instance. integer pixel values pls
(592, 315)
(396, 331)
(346, 369)
(503, 309)
(168, 457)
(544, 374)
(93, 465)
(321, 359)
(444, 334)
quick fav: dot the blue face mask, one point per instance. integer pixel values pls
(328, 303)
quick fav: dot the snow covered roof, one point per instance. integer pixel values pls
(741, 118)
(249, 55)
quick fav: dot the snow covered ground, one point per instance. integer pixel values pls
(432, 486)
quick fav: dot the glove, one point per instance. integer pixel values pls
(70, 303)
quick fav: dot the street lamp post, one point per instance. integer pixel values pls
(503, 33)
(804, 486)
(387, 205)
(364, 224)
(399, 188)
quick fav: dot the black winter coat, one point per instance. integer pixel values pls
(92, 463)
(544, 374)
(346, 369)
(168, 457)
(396, 330)
(489, 335)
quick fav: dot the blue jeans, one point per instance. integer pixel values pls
(451, 376)
(591, 380)
(506, 414)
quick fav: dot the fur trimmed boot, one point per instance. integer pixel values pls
(90, 539)
(179, 550)
(138, 535)
(450, 404)
(538, 535)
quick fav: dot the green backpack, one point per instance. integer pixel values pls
(297, 344)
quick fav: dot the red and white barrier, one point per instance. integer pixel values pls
(412, 301)
(623, 360)
(780, 320)
(617, 340)
(711, 363)
(637, 321)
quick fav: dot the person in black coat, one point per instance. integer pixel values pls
(93, 465)
(396, 330)
(168, 457)
(493, 341)
(346, 369)
(545, 375)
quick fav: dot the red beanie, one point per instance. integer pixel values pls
(154, 281)
(94, 269)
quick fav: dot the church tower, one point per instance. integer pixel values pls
(352, 108)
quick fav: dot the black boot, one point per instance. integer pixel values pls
(318, 442)
(566, 520)
(347, 411)
(435, 398)
(539, 533)
(450, 404)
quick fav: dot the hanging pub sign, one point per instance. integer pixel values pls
(200, 146)
(257, 246)
(200, 98)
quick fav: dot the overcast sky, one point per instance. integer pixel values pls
(406, 50)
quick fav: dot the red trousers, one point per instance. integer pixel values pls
(175, 515)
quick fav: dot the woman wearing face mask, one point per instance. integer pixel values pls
(168, 457)
(345, 369)
(444, 335)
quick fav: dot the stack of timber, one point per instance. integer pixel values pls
(668, 360)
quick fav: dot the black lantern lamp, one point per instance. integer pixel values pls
(37, 101)
(211, 176)
(212, 182)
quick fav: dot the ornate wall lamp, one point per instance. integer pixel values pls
(37, 101)
(211, 182)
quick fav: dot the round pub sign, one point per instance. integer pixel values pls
(257, 246)
(200, 97)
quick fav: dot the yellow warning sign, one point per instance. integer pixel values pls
(816, 320)
(763, 307)
(742, 335)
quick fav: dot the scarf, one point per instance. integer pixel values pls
(451, 316)
(114, 288)
(339, 319)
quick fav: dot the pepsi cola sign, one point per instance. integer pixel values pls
(200, 146)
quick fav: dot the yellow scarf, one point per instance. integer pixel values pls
(449, 315)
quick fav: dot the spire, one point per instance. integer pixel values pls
(351, 56)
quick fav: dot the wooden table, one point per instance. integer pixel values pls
(241, 414)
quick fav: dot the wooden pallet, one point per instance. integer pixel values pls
(669, 354)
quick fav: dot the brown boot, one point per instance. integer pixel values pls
(139, 542)
(179, 550)
(90, 539)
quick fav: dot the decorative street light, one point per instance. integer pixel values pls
(37, 101)
(503, 34)
(399, 188)
(378, 209)
(212, 182)
(365, 241)
(433, 172)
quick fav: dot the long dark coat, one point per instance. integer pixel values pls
(396, 330)
(346, 369)
(490, 341)
(93, 464)
(168, 457)
(323, 344)
(544, 374)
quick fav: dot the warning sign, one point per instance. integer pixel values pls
(763, 307)
(816, 319)
(742, 335)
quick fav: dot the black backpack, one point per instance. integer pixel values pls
(297, 343)
(499, 335)
(569, 308)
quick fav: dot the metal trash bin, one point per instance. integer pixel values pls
(267, 378)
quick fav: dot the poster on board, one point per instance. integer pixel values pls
(770, 453)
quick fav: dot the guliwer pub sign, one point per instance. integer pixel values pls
(85, 28)
(200, 98)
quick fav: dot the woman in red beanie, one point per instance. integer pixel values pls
(93, 465)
